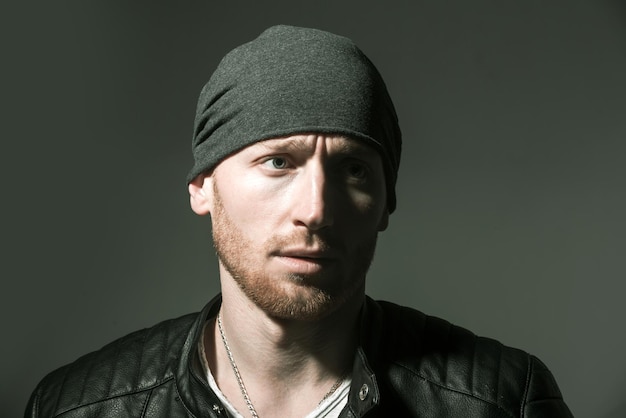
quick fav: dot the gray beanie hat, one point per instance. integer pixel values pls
(294, 80)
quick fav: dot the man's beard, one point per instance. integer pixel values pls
(296, 296)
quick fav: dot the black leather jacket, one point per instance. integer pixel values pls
(408, 365)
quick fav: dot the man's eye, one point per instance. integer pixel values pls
(278, 163)
(357, 171)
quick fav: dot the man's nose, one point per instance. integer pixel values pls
(311, 201)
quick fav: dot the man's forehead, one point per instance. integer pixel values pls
(301, 143)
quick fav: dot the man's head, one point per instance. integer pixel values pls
(296, 152)
(291, 81)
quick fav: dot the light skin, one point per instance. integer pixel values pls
(295, 222)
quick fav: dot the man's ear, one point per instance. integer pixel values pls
(384, 221)
(201, 194)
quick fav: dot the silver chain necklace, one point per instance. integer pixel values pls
(242, 387)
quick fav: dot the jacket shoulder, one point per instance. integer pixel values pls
(134, 363)
(429, 351)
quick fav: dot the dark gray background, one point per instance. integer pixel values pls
(511, 194)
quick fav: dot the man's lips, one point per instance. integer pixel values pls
(306, 253)
(302, 254)
(305, 260)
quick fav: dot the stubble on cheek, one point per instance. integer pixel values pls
(292, 296)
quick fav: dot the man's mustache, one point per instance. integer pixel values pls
(318, 241)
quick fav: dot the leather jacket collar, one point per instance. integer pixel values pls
(196, 395)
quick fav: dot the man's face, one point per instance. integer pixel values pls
(295, 221)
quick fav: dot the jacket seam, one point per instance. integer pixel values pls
(549, 398)
(87, 373)
(56, 402)
(526, 386)
(189, 412)
(141, 353)
(36, 403)
(108, 398)
(454, 390)
(145, 403)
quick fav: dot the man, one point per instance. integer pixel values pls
(296, 149)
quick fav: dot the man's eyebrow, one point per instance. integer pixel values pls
(351, 147)
(274, 145)
(356, 147)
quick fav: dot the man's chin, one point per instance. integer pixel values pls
(296, 302)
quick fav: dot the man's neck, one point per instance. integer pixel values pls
(279, 359)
